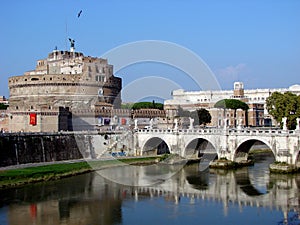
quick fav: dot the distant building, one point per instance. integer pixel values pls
(255, 98)
(3, 100)
(44, 99)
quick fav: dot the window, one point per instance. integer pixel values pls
(100, 78)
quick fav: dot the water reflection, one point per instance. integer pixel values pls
(148, 175)
(213, 195)
(70, 201)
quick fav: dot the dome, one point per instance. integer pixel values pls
(295, 87)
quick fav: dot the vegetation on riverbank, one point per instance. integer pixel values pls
(259, 151)
(22, 176)
(224, 163)
(283, 167)
(17, 177)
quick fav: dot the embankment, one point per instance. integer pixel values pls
(21, 176)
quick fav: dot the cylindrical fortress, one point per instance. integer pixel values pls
(40, 100)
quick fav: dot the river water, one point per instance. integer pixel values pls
(183, 196)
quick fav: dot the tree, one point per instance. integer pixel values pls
(200, 116)
(203, 116)
(2, 106)
(148, 105)
(284, 105)
(233, 104)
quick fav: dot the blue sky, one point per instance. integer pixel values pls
(255, 41)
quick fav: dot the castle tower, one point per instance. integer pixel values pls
(238, 91)
(43, 99)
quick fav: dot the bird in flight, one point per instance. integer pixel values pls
(78, 15)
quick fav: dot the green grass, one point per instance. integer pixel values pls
(17, 177)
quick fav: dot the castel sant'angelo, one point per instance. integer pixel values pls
(41, 100)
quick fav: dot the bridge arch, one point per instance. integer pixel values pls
(243, 148)
(155, 146)
(197, 147)
(243, 180)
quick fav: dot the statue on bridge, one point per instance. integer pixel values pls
(225, 121)
(191, 123)
(136, 124)
(151, 123)
(298, 124)
(284, 122)
(240, 123)
(176, 124)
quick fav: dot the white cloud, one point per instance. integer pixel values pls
(232, 72)
(228, 75)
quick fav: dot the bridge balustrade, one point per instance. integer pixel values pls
(230, 131)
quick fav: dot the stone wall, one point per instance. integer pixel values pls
(22, 149)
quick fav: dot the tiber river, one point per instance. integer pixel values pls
(190, 196)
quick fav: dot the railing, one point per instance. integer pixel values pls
(182, 131)
(230, 131)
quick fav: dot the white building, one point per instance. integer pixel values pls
(190, 100)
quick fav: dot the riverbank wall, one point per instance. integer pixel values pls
(22, 148)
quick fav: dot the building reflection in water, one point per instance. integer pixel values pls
(92, 199)
(70, 201)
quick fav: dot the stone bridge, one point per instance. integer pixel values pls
(233, 144)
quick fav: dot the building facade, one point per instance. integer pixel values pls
(43, 99)
(255, 98)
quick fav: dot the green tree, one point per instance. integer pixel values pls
(148, 105)
(233, 104)
(284, 105)
(200, 116)
(2, 106)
